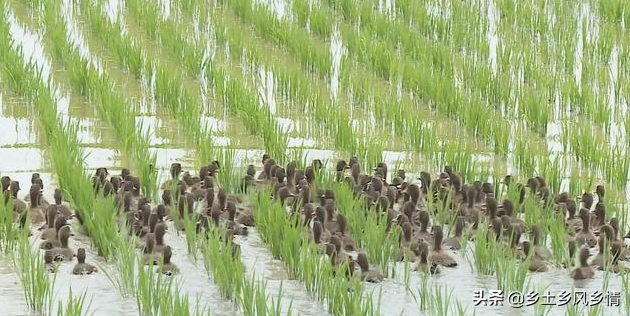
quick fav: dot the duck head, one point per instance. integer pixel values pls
(81, 255)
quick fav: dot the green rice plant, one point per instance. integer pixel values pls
(124, 278)
(225, 266)
(34, 277)
(112, 106)
(153, 295)
(482, 260)
(441, 300)
(557, 233)
(61, 137)
(75, 305)
(511, 274)
(9, 233)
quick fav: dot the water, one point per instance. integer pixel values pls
(21, 154)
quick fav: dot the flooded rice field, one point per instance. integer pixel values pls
(261, 145)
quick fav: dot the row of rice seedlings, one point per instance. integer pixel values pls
(425, 86)
(312, 96)
(182, 103)
(409, 125)
(413, 132)
(105, 218)
(288, 241)
(365, 91)
(33, 275)
(221, 259)
(74, 306)
(396, 38)
(254, 301)
(66, 155)
(437, 300)
(158, 295)
(99, 88)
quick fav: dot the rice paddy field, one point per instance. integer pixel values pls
(488, 87)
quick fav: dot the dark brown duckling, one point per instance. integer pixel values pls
(49, 231)
(63, 252)
(600, 190)
(535, 264)
(574, 223)
(348, 242)
(167, 267)
(19, 206)
(438, 255)
(405, 242)
(584, 271)
(423, 263)
(61, 208)
(338, 256)
(160, 231)
(35, 210)
(368, 274)
(540, 250)
(454, 243)
(82, 267)
(598, 261)
(599, 217)
(422, 232)
(585, 236)
(285, 194)
(587, 200)
(149, 256)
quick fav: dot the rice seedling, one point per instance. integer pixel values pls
(482, 260)
(34, 277)
(75, 305)
(222, 263)
(124, 279)
(9, 233)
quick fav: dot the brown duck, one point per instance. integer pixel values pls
(438, 255)
(584, 271)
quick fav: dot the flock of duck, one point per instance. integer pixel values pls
(408, 205)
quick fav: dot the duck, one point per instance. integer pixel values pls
(585, 236)
(454, 243)
(61, 208)
(438, 255)
(423, 264)
(48, 230)
(598, 261)
(368, 274)
(149, 256)
(52, 237)
(19, 206)
(615, 267)
(81, 267)
(540, 251)
(338, 256)
(167, 267)
(600, 190)
(574, 223)
(63, 252)
(535, 263)
(405, 243)
(159, 231)
(348, 242)
(35, 211)
(584, 271)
